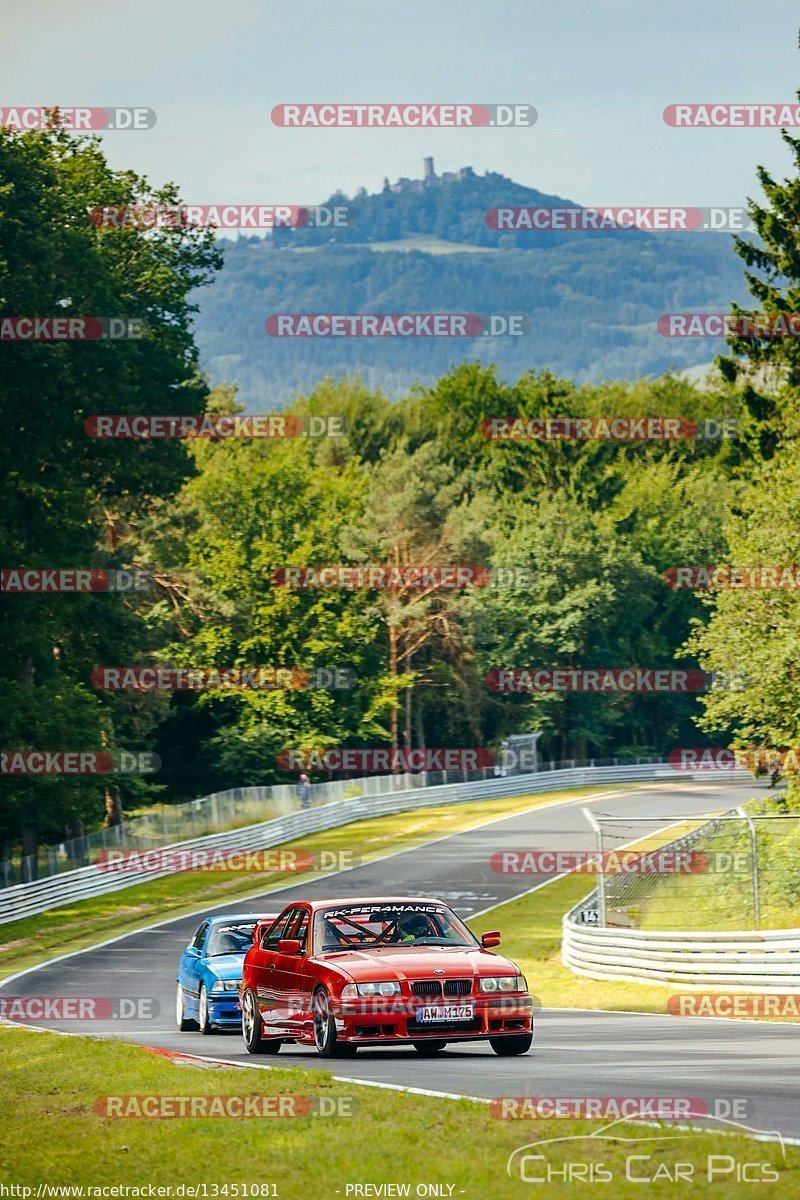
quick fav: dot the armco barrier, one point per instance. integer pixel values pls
(27, 899)
(760, 960)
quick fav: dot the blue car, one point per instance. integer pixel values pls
(210, 971)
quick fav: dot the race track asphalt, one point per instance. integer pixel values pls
(575, 1052)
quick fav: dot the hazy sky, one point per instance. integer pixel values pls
(599, 72)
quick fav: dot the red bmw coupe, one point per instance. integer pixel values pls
(339, 974)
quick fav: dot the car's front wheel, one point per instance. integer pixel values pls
(183, 1022)
(255, 1042)
(511, 1044)
(203, 1019)
(426, 1049)
(325, 1036)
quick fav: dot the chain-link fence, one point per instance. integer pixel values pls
(733, 870)
(222, 811)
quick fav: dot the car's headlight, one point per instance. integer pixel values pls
(503, 983)
(225, 985)
(386, 987)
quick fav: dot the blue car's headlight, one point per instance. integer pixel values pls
(225, 985)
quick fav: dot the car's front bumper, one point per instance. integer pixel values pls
(396, 1020)
(225, 1009)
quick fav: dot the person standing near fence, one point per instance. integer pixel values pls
(304, 790)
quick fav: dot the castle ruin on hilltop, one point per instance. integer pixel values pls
(429, 179)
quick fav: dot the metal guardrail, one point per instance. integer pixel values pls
(168, 824)
(27, 899)
(740, 960)
(747, 960)
(173, 823)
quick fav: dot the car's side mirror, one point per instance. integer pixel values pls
(289, 946)
(192, 951)
(490, 939)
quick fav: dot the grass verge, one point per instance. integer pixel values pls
(723, 896)
(52, 1134)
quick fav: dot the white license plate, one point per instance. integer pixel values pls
(446, 1012)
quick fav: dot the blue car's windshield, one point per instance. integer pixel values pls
(230, 939)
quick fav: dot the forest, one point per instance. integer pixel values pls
(586, 530)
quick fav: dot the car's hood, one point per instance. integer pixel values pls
(225, 966)
(421, 963)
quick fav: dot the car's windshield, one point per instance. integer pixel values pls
(230, 939)
(370, 926)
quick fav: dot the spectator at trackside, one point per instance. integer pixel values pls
(304, 790)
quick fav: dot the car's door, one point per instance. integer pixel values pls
(293, 972)
(266, 976)
(191, 966)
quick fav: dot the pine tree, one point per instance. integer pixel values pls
(768, 368)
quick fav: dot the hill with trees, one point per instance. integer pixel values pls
(592, 299)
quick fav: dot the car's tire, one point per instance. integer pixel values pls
(511, 1044)
(203, 1019)
(255, 1042)
(427, 1049)
(325, 1038)
(183, 1022)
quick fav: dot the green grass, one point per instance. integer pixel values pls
(51, 1133)
(724, 899)
(61, 930)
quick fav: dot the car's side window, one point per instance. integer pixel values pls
(277, 931)
(200, 936)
